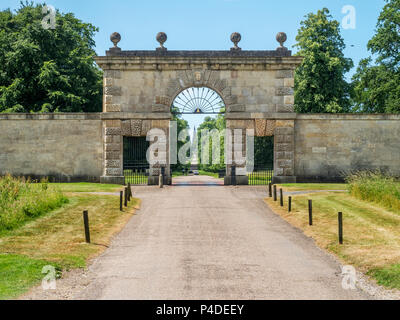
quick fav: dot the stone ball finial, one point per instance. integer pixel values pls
(281, 37)
(115, 38)
(235, 38)
(161, 38)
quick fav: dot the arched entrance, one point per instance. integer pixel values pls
(201, 112)
(255, 86)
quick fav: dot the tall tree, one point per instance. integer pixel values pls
(45, 69)
(319, 81)
(377, 85)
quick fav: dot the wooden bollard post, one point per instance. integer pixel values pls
(290, 204)
(129, 192)
(86, 225)
(126, 197)
(281, 195)
(270, 190)
(310, 212)
(275, 198)
(160, 181)
(340, 220)
(121, 195)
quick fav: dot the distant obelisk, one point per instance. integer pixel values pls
(194, 163)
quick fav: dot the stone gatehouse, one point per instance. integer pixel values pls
(257, 90)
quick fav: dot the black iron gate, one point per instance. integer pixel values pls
(136, 167)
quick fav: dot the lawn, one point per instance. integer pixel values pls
(57, 238)
(371, 232)
(312, 186)
(87, 187)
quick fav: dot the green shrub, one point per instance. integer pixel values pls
(22, 200)
(375, 187)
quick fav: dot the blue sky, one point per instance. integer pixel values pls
(207, 24)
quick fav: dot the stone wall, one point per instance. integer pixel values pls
(329, 146)
(63, 147)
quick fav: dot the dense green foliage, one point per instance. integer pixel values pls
(375, 187)
(377, 85)
(209, 123)
(47, 70)
(22, 200)
(264, 152)
(182, 124)
(319, 82)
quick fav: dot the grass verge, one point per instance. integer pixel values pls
(86, 187)
(57, 239)
(371, 232)
(312, 186)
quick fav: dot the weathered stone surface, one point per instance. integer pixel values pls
(284, 91)
(113, 163)
(112, 155)
(126, 128)
(146, 126)
(284, 74)
(112, 147)
(285, 108)
(113, 108)
(289, 82)
(160, 108)
(113, 172)
(260, 127)
(113, 131)
(136, 128)
(113, 91)
(63, 150)
(270, 128)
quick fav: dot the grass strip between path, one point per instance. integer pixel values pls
(57, 238)
(371, 232)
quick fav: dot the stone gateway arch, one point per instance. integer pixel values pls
(257, 89)
(255, 86)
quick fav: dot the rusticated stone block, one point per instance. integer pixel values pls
(284, 147)
(280, 155)
(113, 172)
(288, 171)
(260, 125)
(285, 163)
(289, 82)
(278, 171)
(285, 123)
(284, 91)
(270, 128)
(136, 128)
(112, 155)
(159, 108)
(284, 74)
(113, 163)
(112, 131)
(108, 99)
(146, 126)
(289, 155)
(108, 139)
(288, 100)
(284, 108)
(112, 123)
(126, 128)
(163, 100)
(280, 138)
(113, 108)
(112, 147)
(236, 108)
(115, 74)
(108, 82)
(284, 131)
(113, 91)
